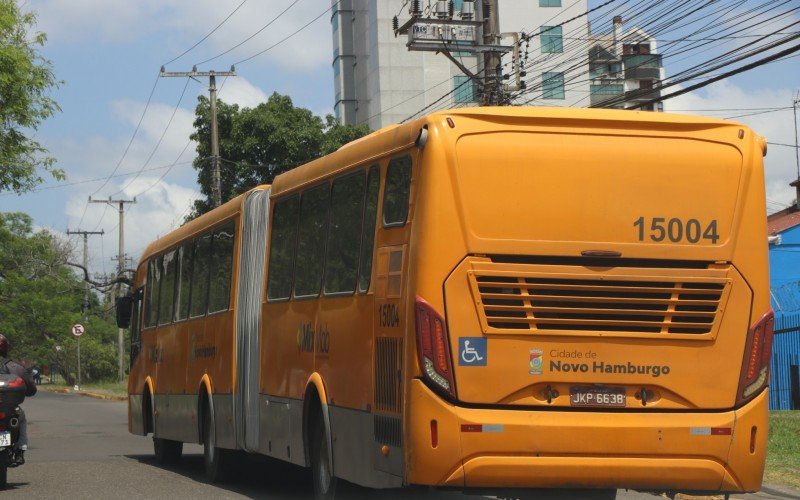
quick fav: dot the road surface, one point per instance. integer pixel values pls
(80, 448)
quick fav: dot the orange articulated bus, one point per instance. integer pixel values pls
(483, 298)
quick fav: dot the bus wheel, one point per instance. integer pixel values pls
(215, 460)
(323, 478)
(167, 451)
(3, 474)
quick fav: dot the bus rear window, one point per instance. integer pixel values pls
(398, 187)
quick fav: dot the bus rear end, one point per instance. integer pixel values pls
(591, 303)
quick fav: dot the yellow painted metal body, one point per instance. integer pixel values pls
(507, 203)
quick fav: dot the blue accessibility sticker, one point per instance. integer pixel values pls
(472, 351)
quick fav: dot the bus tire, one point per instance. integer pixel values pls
(216, 461)
(322, 476)
(3, 475)
(167, 451)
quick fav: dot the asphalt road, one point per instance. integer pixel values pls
(80, 448)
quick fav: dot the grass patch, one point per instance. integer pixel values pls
(108, 388)
(783, 448)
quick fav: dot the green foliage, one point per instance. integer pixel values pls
(41, 297)
(256, 144)
(25, 79)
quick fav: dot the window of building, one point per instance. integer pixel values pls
(395, 196)
(184, 290)
(219, 290)
(552, 85)
(368, 237)
(202, 264)
(151, 302)
(551, 39)
(282, 248)
(166, 302)
(606, 89)
(335, 19)
(311, 241)
(344, 237)
(549, 3)
(464, 89)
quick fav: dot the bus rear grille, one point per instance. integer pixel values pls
(387, 430)
(617, 304)
(387, 374)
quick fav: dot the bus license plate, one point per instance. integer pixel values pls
(5, 439)
(597, 396)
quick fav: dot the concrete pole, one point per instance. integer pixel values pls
(212, 90)
(492, 72)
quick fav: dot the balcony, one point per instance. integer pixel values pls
(642, 67)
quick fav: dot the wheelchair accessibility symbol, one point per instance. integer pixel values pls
(472, 351)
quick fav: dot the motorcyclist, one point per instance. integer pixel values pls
(13, 368)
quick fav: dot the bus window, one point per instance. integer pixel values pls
(282, 249)
(368, 238)
(347, 207)
(202, 254)
(219, 290)
(166, 303)
(185, 257)
(153, 280)
(311, 241)
(395, 197)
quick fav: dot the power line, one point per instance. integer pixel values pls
(207, 35)
(336, 5)
(251, 36)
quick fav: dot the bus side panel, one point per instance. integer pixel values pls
(219, 328)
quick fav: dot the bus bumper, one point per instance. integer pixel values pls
(500, 448)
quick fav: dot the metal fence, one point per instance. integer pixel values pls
(785, 370)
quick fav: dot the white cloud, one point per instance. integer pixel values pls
(779, 165)
(160, 208)
(240, 91)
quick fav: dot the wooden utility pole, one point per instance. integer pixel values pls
(212, 90)
(120, 270)
(86, 288)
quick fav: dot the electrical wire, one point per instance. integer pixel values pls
(251, 36)
(207, 35)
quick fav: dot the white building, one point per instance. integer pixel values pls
(625, 63)
(378, 81)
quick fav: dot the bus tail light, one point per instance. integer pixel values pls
(755, 366)
(433, 347)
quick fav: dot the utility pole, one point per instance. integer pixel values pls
(86, 288)
(443, 33)
(120, 270)
(212, 90)
(795, 102)
(492, 71)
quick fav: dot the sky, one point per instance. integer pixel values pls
(107, 55)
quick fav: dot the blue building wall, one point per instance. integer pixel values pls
(784, 277)
(785, 356)
(784, 272)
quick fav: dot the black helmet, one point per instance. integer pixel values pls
(5, 345)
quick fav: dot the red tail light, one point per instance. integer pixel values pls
(17, 382)
(755, 366)
(433, 347)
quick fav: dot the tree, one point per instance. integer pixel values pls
(25, 79)
(41, 297)
(256, 144)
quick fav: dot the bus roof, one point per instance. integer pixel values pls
(393, 138)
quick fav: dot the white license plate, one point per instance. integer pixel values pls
(5, 438)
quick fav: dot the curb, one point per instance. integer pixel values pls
(95, 395)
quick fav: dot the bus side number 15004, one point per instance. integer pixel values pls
(676, 230)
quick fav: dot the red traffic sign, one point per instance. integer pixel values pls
(78, 330)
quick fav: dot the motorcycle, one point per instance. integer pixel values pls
(12, 394)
